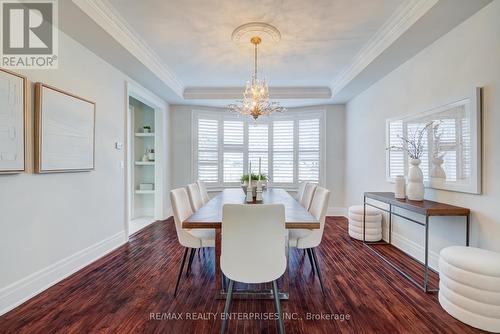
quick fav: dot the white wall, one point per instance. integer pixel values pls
(449, 69)
(53, 224)
(181, 164)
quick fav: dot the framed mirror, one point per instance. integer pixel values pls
(451, 158)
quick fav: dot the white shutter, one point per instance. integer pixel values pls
(233, 151)
(233, 133)
(396, 158)
(233, 166)
(465, 140)
(448, 146)
(283, 151)
(258, 138)
(309, 150)
(208, 150)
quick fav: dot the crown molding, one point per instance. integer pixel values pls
(232, 93)
(106, 16)
(400, 21)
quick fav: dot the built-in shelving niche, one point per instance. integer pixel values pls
(143, 163)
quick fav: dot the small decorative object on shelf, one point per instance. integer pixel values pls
(400, 191)
(151, 155)
(146, 129)
(145, 157)
(414, 146)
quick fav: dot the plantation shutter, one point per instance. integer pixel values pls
(283, 151)
(233, 151)
(208, 150)
(309, 150)
(449, 147)
(258, 135)
(396, 158)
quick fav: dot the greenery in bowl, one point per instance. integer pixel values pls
(255, 177)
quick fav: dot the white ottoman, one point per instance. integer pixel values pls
(469, 286)
(373, 225)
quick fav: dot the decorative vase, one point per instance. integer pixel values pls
(437, 171)
(400, 191)
(415, 187)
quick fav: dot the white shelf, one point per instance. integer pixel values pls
(144, 163)
(144, 192)
(142, 134)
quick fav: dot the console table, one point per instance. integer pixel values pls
(427, 209)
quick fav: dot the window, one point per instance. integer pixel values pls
(283, 151)
(208, 152)
(288, 145)
(309, 149)
(258, 147)
(233, 151)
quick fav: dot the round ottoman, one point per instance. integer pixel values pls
(469, 286)
(373, 223)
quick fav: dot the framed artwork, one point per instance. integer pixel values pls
(13, 108)
(64, 131)
(452, 153)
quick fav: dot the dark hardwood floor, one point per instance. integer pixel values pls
(120, 292)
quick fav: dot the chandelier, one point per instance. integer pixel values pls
(255, 101)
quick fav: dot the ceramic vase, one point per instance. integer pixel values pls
(400, 187)
(437, 171)
(415, 187)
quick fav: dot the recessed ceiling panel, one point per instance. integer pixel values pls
(318, 38)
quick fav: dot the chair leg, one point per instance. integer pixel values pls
(277, 305)
(311, 260)
(191, 257)
(227, 307)
(318, 270)
(180, 271)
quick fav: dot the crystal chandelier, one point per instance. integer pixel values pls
(255, 101)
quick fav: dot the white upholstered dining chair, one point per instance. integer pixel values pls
(203, 191)
(300, 191)
(310, 239)
(190, 239)
(194, 196)
(253, 248)
(307, 196)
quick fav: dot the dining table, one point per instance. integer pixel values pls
(209, 216)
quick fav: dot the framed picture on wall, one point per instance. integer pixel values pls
(64, 131)
(13, 108)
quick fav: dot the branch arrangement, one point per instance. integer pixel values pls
(413, 145)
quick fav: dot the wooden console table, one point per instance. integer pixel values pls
(425, 208)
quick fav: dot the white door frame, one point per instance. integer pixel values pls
(161, 151)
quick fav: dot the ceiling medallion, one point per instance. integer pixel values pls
(255, 101)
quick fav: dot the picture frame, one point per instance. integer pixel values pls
(64, 131)
(13, 122)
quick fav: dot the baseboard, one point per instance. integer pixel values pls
(18, 292)
(336, 211)
(413, 249)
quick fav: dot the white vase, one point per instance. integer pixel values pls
(437, 171)
(415, 187)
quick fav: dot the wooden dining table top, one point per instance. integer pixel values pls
(210, 215)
